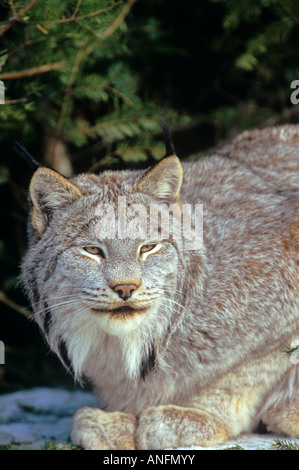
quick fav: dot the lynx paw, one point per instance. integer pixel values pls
(171, 426)
(283, 419)
(95, 429)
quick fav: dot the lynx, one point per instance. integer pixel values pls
(183, 347)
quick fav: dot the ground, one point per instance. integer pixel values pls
(40, 418)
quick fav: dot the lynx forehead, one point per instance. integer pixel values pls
(162, 221)
(183, 346)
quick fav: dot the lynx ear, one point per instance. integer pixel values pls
(164, 180)
(49, 190)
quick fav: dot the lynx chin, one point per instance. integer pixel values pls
(183, 347)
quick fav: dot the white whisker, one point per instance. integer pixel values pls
(48, 299)
(55, 306)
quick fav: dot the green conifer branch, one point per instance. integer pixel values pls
(281, 444)
(289, 351)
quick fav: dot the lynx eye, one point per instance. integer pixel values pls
(94, 250)
(147, 248)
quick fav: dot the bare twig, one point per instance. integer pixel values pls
(27, 7)
(34, 71)
(7, 27)
(16, 15)
(14, 306)
(98, 12)
(288, 11)
(26, 44)
(12, 7)
(75, 18)
(63, 110)
(120, 19)
(17, 101)
(89, 29)
(77, 8)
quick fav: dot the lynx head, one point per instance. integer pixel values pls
(87, 289)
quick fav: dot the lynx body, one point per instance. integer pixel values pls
(183, 347)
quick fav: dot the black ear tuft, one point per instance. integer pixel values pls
(26, 155)
(167, 138)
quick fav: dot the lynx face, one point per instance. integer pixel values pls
(117, 282)
(82, 286)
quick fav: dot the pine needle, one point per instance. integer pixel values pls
(290, 350)
(281, 444)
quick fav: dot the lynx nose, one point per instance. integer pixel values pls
(125, 290)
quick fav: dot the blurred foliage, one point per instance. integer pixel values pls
(86, 83)
(66, 69)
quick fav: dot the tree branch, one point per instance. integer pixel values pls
(75, 18)
(288, 11)
(16, 15)
(34, 71)
(120, 19)
(27, 7)
(63, 110)
(14, 306)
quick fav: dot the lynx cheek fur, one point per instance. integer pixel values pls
(183, 347)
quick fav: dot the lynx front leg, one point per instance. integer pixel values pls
(281, 412)
(283, 418)
(172, 426)
(95, 429)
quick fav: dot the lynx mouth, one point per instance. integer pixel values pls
(125, 310)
